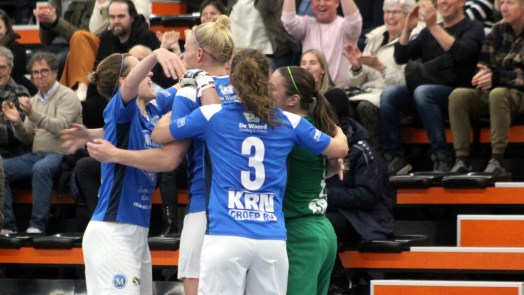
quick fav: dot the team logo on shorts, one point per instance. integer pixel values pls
(119, 281)
(136, 281)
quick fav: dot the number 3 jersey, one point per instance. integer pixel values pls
(248, 158)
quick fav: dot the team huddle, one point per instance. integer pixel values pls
(237, 128)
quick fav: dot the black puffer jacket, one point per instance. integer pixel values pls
(364, 197)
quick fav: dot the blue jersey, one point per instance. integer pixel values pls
(186, 101)
(248, 164)
(125, 192)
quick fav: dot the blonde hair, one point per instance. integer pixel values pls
(326, 82)
(216, 38)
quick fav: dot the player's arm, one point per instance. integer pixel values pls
(164, 159)
(338, 146)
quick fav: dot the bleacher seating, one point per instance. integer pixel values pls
(490, 230)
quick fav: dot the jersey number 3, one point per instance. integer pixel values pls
(256, 161)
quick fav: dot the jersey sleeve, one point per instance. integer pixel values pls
(311, 138)
(195, 124)
(120, 112)
(165, 99)
(185, 102)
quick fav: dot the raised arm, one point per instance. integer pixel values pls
(171, 63)
(289, 6)
(348, 7)
(429, 13)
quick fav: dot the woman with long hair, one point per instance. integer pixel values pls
(311, 239)
(248, 140)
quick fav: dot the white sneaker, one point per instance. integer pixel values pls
(6, 231)
(33, 230)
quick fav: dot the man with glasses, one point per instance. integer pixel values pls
(9, 92)
(53, 108)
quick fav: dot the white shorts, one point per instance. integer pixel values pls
(117, 259)
(191, 240)
(237, 266)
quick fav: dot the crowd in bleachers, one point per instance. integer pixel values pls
(377, 62)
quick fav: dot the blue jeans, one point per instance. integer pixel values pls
(41, 168)
(430, 102)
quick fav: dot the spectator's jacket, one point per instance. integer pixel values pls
(502, 52)
(468, 35)
(364, 197)
(75, 18)
(9, 145)
(271, 12)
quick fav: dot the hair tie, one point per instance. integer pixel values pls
(119, 74)
(293, 81)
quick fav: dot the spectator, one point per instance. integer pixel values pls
(256, 24)
(315, 62)
(56, 28)
(326, 32)
(9, 92)
(54, 108)
(311, 241)
(99, 21)
(375, 68)
(448, 53)
(499, 90)
(210, 10)
(8, 39)
(360, 207)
